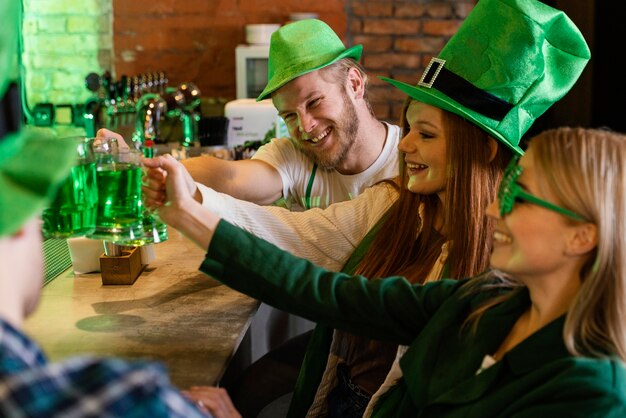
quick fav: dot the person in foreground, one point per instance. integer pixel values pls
(31, 168)
(541, 333)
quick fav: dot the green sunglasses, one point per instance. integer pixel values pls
(510, 191)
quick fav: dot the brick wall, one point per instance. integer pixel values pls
(399, 37)
(195, 40)
(64, 40)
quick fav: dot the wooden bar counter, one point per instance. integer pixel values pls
(173, 313)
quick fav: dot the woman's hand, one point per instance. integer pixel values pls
(169, 189)
(167, 185)
(155, 181)
(213, 400)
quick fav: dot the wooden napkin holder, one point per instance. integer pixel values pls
(123, 269)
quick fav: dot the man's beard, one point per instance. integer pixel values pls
(345, 137)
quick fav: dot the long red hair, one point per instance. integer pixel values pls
(472, 184)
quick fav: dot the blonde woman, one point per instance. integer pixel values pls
(541, 334)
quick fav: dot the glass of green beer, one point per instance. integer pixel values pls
(118, 176)
(73, 211)
(154, 230)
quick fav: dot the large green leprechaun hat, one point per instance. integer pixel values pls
(507, 64)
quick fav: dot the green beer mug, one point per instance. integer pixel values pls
(154, 230)
(73, 211)
(118, 176)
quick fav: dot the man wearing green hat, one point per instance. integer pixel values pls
(336, 146)
(336, 149)
(31, 168)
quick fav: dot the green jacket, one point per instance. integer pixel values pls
(318, 349)
(537, 378)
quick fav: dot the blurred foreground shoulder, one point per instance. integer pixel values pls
(594, 387)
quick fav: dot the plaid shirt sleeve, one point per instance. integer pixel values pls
(82, 387)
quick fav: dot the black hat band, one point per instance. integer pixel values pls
(464, 92)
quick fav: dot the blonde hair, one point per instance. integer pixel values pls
(585, 169)
(594, 189)
(338, 73)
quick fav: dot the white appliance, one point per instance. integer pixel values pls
(251, 67)
(251, 60)
(249, 120)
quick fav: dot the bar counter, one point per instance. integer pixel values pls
(173, 313)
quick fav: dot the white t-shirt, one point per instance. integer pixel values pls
(329, 186)
(327, 237)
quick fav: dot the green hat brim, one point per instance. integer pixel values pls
(280, 80)
(435, 98)
(32, 166)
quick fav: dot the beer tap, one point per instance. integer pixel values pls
(189, 103)
(120, 101)
(91, 116)
(128, 95)
(143, 84)
(93, 105)
(150, 83)
(162, 82)
(150, 108)
(114, 102)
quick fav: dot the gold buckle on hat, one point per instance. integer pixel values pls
(427, 73)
